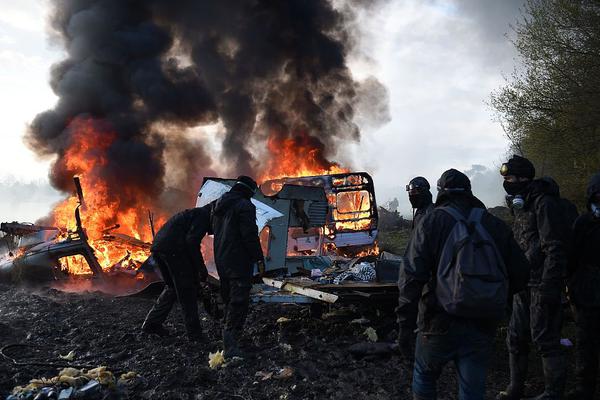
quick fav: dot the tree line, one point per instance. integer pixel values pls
(550, 106)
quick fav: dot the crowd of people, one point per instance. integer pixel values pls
(462, 272)
(452, 297)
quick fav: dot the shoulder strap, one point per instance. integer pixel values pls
(476, 214)
(457, 215)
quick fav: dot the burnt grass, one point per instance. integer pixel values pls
(104, 330)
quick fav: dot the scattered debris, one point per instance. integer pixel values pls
(216, 359)
(566, 342)
(73, 383)
(371, 334)
(264, 375)
(284, 373)
(360, 321)
(69, 357)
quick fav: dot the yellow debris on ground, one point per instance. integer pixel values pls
(283, 320)
(69, 357)
(77, 377)
(215, 360)
(371, 334)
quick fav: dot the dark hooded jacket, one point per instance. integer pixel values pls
(236, 241)
(543, 231)
(418, 277)
(584, 265)
(183, 233)
(421, 212)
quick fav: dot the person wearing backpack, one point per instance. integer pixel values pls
(542, 228)
(584, 293)
(460, 269)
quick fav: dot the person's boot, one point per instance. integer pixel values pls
(518, 374)
(155, 329)
(555, 377)
(230, 345)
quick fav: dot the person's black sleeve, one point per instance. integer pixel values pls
(249, 231)
(415, 272)
(193, 239)
(578, 238)
(554, 234)
(517, 266)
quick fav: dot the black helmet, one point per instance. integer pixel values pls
(418, 183)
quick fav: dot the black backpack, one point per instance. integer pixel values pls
(472, 281)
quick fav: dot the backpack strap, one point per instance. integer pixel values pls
(475, 215)
(457, 215)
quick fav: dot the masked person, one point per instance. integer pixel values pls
(176, 250)
(420, 198)
(584, 293)
(542, 230)
(237, 249)
(456, 237)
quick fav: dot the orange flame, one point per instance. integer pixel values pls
(86, 157)
(296, 156)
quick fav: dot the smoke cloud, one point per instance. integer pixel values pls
(263, 69)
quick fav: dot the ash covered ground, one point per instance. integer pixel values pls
(104, 330)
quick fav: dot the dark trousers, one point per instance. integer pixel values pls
(235, 293)
(468, 346)
(181, 283)
(587, 351)
(533, 320)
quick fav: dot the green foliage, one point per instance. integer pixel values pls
(393, 241)
(550, 107)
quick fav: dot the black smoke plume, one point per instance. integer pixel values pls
(261, 68)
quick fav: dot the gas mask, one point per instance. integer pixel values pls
(595, 210)
(515, 202)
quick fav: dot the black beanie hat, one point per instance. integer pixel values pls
(518, 166)
(454, 181)
(247, 182)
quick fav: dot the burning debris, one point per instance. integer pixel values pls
(40, 253)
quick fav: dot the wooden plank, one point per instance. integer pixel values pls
(308, 292)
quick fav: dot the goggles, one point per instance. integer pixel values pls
(414, 186)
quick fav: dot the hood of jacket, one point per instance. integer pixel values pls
(228, 200)
(542, 186)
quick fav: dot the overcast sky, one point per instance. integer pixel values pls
(439, 60)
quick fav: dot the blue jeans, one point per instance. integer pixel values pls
(468, 346)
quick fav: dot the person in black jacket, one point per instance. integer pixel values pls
(541, 228)
(237, 248)
(176, 250)
(584, 293)
(443, 337)
(420, 198)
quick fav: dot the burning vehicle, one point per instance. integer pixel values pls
(319, 238)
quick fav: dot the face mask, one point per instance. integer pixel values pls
(515, 188)
(595, 210)
(417, 200)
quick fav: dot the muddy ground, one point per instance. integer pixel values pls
(103, 330)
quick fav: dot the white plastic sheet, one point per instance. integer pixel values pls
(212, 190)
